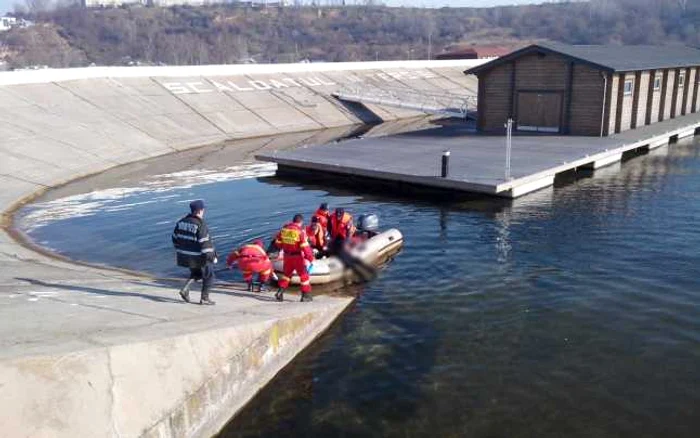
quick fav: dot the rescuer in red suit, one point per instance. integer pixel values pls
(317, 235)
(297, 253)
(252, 259)
(324, 216)
(341, 230)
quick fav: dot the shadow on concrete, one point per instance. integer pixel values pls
(220, 287)
(97, 291)
(361, 111)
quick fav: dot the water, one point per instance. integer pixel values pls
(569, 312)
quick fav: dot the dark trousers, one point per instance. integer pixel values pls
(206, 274)
(337, 246)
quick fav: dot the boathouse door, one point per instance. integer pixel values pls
(539, 111)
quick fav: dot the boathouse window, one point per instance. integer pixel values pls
(629, 86)
(657, 83)
(681, 80)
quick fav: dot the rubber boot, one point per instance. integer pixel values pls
(250, 286)
(185, 291)
(306, 298)
(279, 296)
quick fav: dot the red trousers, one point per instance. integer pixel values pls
(291, 264)
(263, 268)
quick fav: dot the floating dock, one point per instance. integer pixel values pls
(477, 163)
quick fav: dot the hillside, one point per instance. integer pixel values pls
(228, 34)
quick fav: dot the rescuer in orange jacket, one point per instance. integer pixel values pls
(317, 235)
(341, 229)
(323, 215)
(252, 259)
(293, 241)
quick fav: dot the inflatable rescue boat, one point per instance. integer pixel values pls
(375, 251)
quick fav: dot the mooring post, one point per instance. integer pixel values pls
(445, 163)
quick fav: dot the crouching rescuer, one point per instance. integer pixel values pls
(195, 250)
(252, 259)
(297, 254)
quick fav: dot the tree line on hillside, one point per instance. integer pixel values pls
(74, 36)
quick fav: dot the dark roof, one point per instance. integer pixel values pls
(609, 58)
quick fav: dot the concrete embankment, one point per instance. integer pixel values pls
(95, 352)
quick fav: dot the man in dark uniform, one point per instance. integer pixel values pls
(195, 250)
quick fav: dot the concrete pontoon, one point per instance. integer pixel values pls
(477, 162)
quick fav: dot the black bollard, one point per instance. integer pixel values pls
(445, 163)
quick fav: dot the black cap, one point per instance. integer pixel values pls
(339, 211)
(324, 206)
(196, 205)
(298, 218)
(314, 219)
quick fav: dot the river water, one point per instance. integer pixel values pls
(573, 311)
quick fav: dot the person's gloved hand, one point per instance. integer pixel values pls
(216, 260)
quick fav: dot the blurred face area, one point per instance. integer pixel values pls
(199, 214)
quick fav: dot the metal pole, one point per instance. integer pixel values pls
(445, 163)
(605, 98)
(509, 146)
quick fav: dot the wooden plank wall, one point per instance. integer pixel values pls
(641, 87)
(586, 101)
(613, 98)
(669, 88)
(495, 98)
(654, 98)
(581, 89)
(690, 84)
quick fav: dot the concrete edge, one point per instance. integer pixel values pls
(23, 77)
(285, 359)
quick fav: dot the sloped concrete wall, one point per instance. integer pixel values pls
(56, 125)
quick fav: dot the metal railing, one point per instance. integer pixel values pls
(443, 103)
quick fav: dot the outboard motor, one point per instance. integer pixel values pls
(369, 224)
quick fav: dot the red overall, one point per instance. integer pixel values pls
(324, 216)
(342, 228)
(252, 259)
(292, 240)
(317, 236)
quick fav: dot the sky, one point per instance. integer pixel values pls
(7, 5)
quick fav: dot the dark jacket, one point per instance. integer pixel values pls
(193, 244)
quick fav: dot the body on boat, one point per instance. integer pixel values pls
(375, 251)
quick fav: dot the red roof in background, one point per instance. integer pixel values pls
(487, 51)
(481, 50)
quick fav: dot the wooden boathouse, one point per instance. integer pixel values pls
(587, 90)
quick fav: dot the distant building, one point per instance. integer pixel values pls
(458, 53)
(587, 90)
(7, 23)
(494, 51)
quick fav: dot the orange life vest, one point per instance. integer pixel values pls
(323, 217)
(317, 235)
(343, 228)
